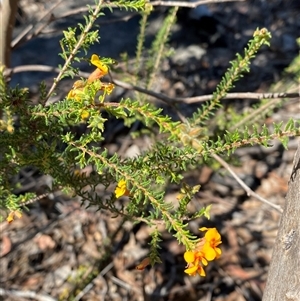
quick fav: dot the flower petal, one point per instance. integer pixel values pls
(18, 214)
(10, 217)
(218, 251)
(189, 256)
(121, 189)
(191, 271)
(95, 60)
(96, 74)
(209, 252)
(201, 271)
(203, 229)
(212, 234)
(204, 261)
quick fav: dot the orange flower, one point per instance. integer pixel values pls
(101, 70)
(121, 189)
(77, 89)
(206, 250)
(212, 241)
(194, 259)
(107, 87)
(12, 214)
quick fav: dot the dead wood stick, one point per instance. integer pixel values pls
(248, 190)
(161, 96)
(189, 4)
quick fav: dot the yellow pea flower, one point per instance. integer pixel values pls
(107, 87)
(12, 214)
(121, 189)
(212, 241)
(101, 70)
(76, 90)
(194, 259)
(206, 250)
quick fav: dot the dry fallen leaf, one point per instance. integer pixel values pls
(45, 242)
(5, 246)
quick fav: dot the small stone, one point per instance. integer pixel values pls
(184, 54)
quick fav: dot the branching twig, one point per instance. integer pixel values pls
(19, 38)
(163, 97)
(241, 95)
(37, 198)
(83, 9)
(91, 284)
(248, 190)
(189, 4)
(75, 50)
(26, 294)
(203, 98)
(251, 115)
(80, 10)
(23, 38)
(31, 68)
